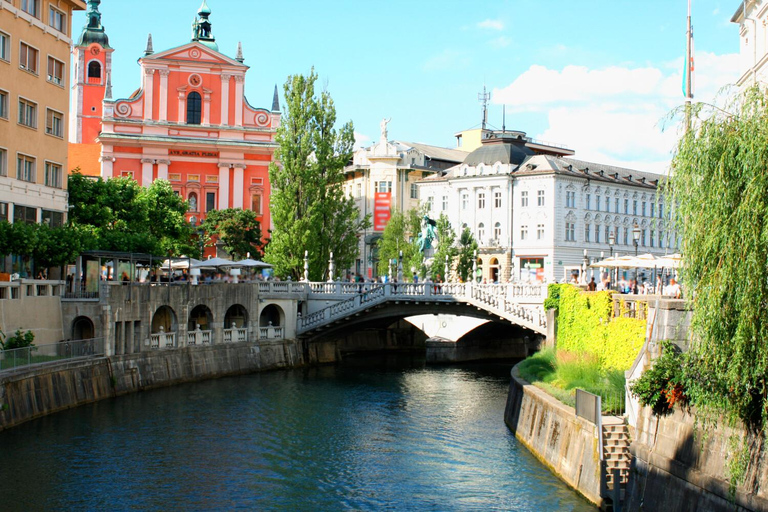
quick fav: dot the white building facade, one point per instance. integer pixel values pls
(536, 216)
(752, 18)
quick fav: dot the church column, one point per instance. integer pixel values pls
(239, 82)
(237, 188)
(147, 170)
(223, 186)
(182, 108)
(162, 169)
(149, 81)
(206, 108)
(163, 94)
(107, 165)
(225, 99)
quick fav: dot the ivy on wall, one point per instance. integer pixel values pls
(585, 324)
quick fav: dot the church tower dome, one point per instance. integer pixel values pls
(201, 28)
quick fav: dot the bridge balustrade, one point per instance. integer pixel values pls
(162, 339)
(198, 337)
(271, 333)
(235, 335)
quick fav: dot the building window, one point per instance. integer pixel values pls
(653, 209)
(359, 190)
(480, 233)
(57, 19)
(54, 122)
(570, 232)
(464, 200)
(3, 162)
(5, 47)
(25, 168)
(94, 72)
(570, 199)
(540, 232)
(642, 238)
(626, 206)
(430, 202)
(53, 219)
(28, 57)
(608, 234)
(643, 210)
(445, 203)
(587, 237)
(55, 71)
(480, 200)
(626, 236)
(597, 203)
(661, 239)
(661, 210)
(26, 214)
(523, 232)
(597, 234)
(616, 206)
(256, 203)
(192, 200)
(126, 174)
(540, 198)
(384, 186)
(497, 199)
(588, 201)
(52, 175)
(4, 104)
(27, 113)
(210, 201)
(194, 107)
(414, 191)
(497, 232)
(524, 198)
(653, 238)
(31, 7)
(634, 207)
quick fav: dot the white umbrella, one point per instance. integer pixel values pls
(670, 261)
(248, 262)
(178, 263)
(215, 263)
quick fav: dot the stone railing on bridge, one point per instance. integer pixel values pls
(501, 300)
(23, 288)
(235, 335)
(162, 340)
(199, 337)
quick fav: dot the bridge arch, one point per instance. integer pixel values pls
(164, 320)
(83, 328)
(200, 315)
(271, 315)
(236, 316)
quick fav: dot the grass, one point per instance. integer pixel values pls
(9, 362)
(560, 373)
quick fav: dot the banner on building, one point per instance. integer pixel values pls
(381, 211)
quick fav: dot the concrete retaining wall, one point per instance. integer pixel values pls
(38, 390)
(567, 444)
(690, 466)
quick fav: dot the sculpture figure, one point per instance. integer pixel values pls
(427, 234)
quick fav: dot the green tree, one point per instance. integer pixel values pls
(57, 246)
(467, 248)
(446, 246)
(309, 209)
(238, 230)
(720, 195)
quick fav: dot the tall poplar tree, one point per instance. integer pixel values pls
(309, 209)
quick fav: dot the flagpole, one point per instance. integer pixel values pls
(688, 71)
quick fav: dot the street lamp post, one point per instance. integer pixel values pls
(611, 242)
(400, 267)
(636, 239)
(586, 266)
(445, 274)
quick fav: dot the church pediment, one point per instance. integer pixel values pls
(194, 52)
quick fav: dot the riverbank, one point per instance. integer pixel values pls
(38, 390)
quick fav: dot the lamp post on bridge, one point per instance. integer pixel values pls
(611, 242)
(330, 268)
(445, 274)
(400, 267)
(306, 266)
(636, 239)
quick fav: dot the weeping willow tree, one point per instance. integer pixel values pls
(719, 188)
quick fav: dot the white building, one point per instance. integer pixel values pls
(752, 17)
(534, 212)
(382, 179)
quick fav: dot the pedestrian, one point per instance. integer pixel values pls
(592, 286)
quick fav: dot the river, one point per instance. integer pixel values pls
(386, 435)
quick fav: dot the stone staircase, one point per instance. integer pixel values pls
(616, 455)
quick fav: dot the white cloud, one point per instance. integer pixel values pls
(361, 140)
(490, 24)
(615, 115)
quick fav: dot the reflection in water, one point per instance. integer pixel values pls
(392, 435)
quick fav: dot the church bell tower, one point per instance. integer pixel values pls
(93, 65)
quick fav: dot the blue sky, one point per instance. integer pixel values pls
(595, 75)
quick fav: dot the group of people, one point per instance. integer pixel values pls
(671, 289)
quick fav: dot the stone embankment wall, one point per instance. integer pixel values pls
(38, 390)
(567, 444)
(677, 466)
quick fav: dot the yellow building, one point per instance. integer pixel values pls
(35, 39)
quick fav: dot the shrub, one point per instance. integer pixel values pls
(18, 340)
(661, 386)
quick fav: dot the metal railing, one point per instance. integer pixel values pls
(50, 352)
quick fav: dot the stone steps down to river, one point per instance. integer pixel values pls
(616, 451)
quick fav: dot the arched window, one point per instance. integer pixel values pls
(193, 108)
(94, 70)
(480, 232)
(497, 232)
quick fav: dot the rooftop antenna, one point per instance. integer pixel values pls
(504, 118)
(484, 97)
